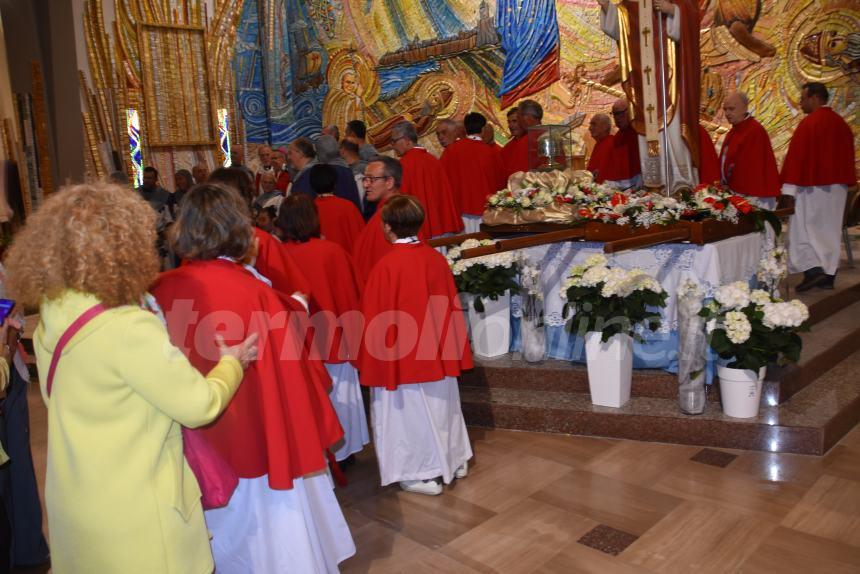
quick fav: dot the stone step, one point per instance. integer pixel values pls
(810, 423)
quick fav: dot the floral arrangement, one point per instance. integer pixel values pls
(753, 328)
(532, 293)
(529, 190)
(610, 299)
(485, 276)
(715, 202)
(772, 269)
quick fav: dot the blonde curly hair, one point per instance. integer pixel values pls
(94, 238)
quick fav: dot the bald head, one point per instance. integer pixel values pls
(621, 113)
(599, 126)
(446, 132)
(735, 107)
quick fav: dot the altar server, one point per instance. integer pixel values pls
(412, 368)
(818, 170)
(382, 179)
(474, 170)
(624, 169)
(283, 516)
(600, 127)
(424, 178)
(337, 327)
(747, 164)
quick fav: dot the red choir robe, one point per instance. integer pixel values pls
(281, 420)
(821, 151)
(624, 159)
(475, 171)
(371, 245)
(340, 221)
(337, 293)
(709, 163)
(278, 267)
(600, 157)
(414, 326)
(515, 155)
(747, 163)
(424, 178)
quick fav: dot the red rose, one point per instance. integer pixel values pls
(740, 203)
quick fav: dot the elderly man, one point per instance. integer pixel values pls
(237, 160)
(747, 163)
(332, 131)
(818, 170)
(623, 169)
(382, 179)
(515, 154)
(474, 170)
(600, 127)
(263, 161)
(424, 177)
(276, 159)
(446, 132)
(270, 195)
(153, 193)
(328, 153)
(200, 172)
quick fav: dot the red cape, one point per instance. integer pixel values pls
(475, 172)
(709, 163)
(371, 245)
(281, 420)
(424, 178)
(600, 157)
(515, 156)
(340, 221)
(747, 163)
(624, 159)
(278, 267)
(337, 293)
(412, 290)
(821, 151)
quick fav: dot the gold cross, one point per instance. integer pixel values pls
(647, 71)
(645, 33)
(650, 109)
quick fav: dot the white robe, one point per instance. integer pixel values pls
(419, 432)
(680, 161)
(815, 229)
(266, 531)
(346, 399)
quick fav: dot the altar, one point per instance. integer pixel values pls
(709, 266)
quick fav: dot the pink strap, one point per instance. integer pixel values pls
(76, 326)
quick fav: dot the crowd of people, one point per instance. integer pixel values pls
(202, 351)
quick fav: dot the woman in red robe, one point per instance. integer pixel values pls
(283, 515)
(337, 326)
(339, 219)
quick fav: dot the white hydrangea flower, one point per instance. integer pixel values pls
(734, 295)
(596, 260)
(737, 327)
(791, 314)
(595, 275)
(760, 297)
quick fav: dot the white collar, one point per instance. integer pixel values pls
(253, 271)
(475, 137)
(413, 239)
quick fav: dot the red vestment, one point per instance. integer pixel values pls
(278, 267)
(475, 171)
(623, 162)
(414, 326)
(337, 293)
(281, 420)
(821, 151)
(709, 163)
(747, 164)
(340, 221)
(601, 155)
(424, 178)
(371, 245)
(515, 155)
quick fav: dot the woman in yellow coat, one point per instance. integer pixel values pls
(119, 494)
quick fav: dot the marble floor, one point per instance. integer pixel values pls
(555, 503)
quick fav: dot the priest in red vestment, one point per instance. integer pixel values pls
(747, 163)
(337, 327)
(339, 219)
(278, 425)
(474, 170)
(623, 169)
(818, 170)
(424, 178)
(709, 163)
(415, 346)
(599, 127)
(515, 153)
(382, 179)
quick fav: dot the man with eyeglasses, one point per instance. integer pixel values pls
(382, 179)
(425, 178)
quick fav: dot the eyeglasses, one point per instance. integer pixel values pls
(372, 178)
(395, 140)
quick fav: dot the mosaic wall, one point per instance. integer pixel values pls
(302, 64)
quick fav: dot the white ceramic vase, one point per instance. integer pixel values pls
(610, 368)
(490, 331)
(740, 391)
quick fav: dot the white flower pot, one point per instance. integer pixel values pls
(740, 391)
(490, 331)
(610, 369)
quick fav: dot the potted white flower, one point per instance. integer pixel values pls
(486, 283)
(609, 302)
(531, 324)
(749, 330)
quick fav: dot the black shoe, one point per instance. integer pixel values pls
(828, 282)
(811, 281)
